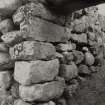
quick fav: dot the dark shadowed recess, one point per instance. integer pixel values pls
(67, 6)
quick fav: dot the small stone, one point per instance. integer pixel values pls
(99, 38)
(68, 71)
(6, 26)
(79, 27)
(32, 50)
(20, 102)
(83, 69)
(89, 58)
(5, 79)
(95, 49)
(69, 57)
(8, 7)
(74, 81)
(64, 47)
(91, 43)
(70, 90)
(93, 69)
(42, 92)
(82, 79)
(85, 49)
(91, 36)
(14, 37)
(36, 71)
(41, 30)
(80, 38)
(60, 57)
(78, 56)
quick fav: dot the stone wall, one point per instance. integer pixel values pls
(46, 55)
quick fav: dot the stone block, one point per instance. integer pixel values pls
(36, 71)
(41, 30)
(32, 50)
(42, 92)
(69, 71)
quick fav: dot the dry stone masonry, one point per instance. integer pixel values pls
(46, 55)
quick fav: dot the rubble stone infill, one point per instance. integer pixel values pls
(45, 56)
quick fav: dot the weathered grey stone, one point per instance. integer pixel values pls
(8, 7)
(4, 47)
(37, 10)
(99, 38)
(69, 71)
(96, 37)
(65, 47)
(20, 102)
(91, 36)
(60, 57)
(32, 50)
(80, 38)
(42, 92)
(42, 30)
(14, 37)
(93, 69)
(5, 61)
(5, 79)
(78, 56)
(85, 49)
(36, 71)
(71, 89)
(6, 26)
(68, 57)
(83, 69)
(89, 58)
